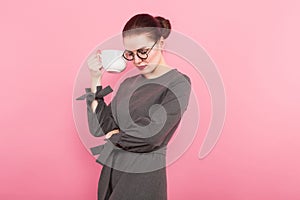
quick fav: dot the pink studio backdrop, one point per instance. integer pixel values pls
(255, 45)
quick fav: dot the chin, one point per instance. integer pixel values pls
(148, 70)
(145, 72)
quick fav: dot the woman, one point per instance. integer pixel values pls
(141, 118)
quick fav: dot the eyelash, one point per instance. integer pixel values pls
(143, 51)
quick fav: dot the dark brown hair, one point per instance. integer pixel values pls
(154, 27)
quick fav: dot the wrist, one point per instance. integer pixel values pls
(94, 83)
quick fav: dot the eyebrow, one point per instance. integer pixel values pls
(138, 48)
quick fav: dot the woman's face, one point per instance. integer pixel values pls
(142, 43)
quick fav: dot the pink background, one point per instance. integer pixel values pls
(255, 45)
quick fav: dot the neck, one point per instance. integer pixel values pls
(160, 69)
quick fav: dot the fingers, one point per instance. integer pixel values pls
(109, 134)
(94, 66)
(98, 54)
(94, 61)
(94, 58)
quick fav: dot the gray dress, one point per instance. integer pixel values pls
(147, 113)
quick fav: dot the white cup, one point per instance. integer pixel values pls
(112, 60)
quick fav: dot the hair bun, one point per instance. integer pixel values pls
(165, 25)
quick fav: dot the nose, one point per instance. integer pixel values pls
(136, 59)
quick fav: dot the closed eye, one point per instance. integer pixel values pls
(143, 51)
(129, 53)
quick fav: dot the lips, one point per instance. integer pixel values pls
(141, 67)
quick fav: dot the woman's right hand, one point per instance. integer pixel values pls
(95, 65)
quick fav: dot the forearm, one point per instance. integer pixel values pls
(137, 144)
(94, 83)
(100, 118)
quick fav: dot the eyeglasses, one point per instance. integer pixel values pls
(141, 53)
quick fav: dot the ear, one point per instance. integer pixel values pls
(161, 43)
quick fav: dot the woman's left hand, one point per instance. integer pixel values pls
(110, 133)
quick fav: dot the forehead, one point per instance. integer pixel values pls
(136, 42)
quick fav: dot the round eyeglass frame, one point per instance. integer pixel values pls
(137, 53)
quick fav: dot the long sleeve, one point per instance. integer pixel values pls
(175, 103)
(101, 121)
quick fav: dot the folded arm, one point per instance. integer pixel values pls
(101, 121)
(175, 103)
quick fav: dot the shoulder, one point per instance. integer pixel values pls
(180, 78)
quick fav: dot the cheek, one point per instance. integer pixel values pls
(154, 57)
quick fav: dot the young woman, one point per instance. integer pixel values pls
(141, 118)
